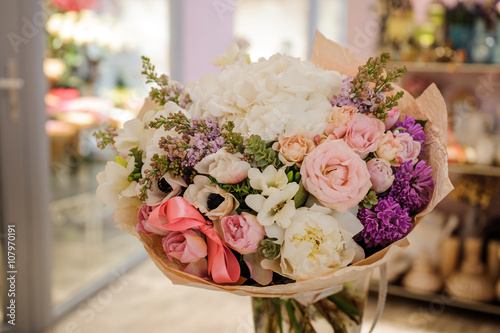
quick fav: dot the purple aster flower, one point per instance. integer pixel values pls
(384, 223)
(411, 127)
(412, 185)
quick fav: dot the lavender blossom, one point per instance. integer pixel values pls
(412, 185)
(384, 223)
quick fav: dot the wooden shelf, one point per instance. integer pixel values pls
(474, 169)
(441, 298)
(449, 68)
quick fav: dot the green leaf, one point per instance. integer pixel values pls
(301, 197)
(261, 163)
(290, 176)
(298, 177)
(421, 122)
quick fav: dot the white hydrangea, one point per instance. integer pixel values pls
(278, 96)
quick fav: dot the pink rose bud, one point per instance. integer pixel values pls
(392, 117)
(335, 175)
(411, 148)
(380, 174)
(243, 233)
(186, 246)
(363, 134)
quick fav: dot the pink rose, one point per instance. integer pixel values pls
(411, 148)
(364, 133)
(242, 233)
(293, 149)
(392, 117)
(335, 175)
(143, 223)
(389, 148)
(186, 246)
(225, 167)
(380, 174)
(198, 268)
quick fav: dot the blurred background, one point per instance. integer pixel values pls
(70, 67)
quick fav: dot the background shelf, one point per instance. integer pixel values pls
(450, 68)
(474, 169)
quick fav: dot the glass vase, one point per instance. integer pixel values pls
(341, 312)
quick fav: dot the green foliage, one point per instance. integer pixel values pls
(234, 140)
(105, 137)
(268, 249)
(135, 175)
(369, 200)
(301, 197)
(260, 153)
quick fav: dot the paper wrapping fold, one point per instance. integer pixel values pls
(429, 106)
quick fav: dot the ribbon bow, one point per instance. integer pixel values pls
(176, 214)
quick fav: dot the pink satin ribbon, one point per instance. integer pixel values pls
(176, 214)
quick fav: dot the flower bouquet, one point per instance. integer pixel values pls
(282, 179)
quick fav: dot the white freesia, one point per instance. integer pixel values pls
(268, 181)
(278, 96)
(198, 195)
(225, 167)
(278, 208)
(231, 55)
(137, 133)
(113, 181)
(316, 244)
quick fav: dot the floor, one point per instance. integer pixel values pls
(143, 300)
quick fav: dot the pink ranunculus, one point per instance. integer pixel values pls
(381, 174)
(363, 133)
(293, 149)
(143, 223)
(392, 117)
(411, 148)
(389, 148)
(187, 246)
(243, 233)
(335, 175)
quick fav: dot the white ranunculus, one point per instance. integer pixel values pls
(225, 167)
(316, 244)
(281, 95)
(268, 181)
(278, 208)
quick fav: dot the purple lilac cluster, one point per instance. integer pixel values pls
(205, 141)
(384, 223)
(410, 126)
(367, 102)
(412, 185)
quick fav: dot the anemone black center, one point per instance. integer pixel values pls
(164, 186)
(214, 201)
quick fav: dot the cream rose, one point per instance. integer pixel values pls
(335, 175)
(381, 174)
(389, 148)
(226, 168)
(363, 134)
(293, 149)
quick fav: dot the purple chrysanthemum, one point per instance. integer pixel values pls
(384, 223)
(411, 127)
(412, 185)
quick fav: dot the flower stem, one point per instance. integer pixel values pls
(293, 320)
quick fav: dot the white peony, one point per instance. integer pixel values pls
(268, 181)
(278, 208)
(278, 96)
(316, 243)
